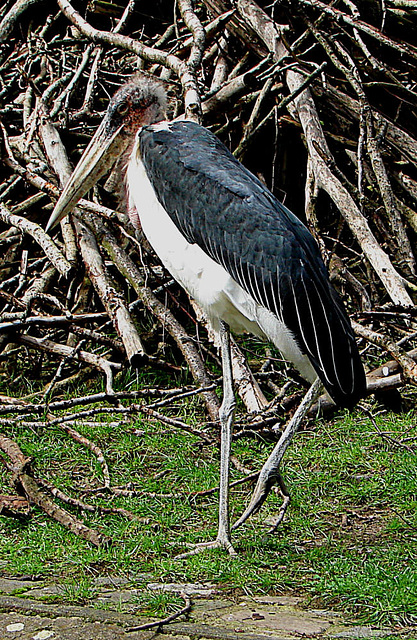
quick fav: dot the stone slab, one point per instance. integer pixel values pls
(213, 617)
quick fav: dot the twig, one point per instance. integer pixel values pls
(113, 301)
(385, 435)
(169, 395)
(10, 19)
(23, 480)
(362, 26)
(38, 234)
(80, 504)
(165, 621)
(408, 365)
(63, 351)
(192, 97)
(306, 111)
(48, 321)
(124, 42)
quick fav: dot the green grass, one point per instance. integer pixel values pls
(74, 590)
(348, 541)
(157, 604)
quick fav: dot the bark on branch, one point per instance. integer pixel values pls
(318, 149)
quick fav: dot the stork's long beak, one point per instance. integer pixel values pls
(104, 149)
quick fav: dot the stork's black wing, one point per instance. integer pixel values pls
(221, 206)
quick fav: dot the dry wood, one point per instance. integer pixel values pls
(49, 247)
(408, 365)
(147, 53)
(305, 110)
(192, 100)
(319, 152)
(10, 19)
(26, 483)
(26, 321)
(59, 162)
(112, 299)
(20, 406)
(339, 15)
(81, 504)
(62, 351)
(14, 507)
(44, 185)
(348, 68)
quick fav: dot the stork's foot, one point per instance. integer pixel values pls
(266, 480)
(276, 521)
(269, 474)
(221, 542)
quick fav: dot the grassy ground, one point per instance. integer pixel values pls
(349, 539)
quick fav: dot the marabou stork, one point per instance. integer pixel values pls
(240, 253)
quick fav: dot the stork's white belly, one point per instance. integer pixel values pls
(206, 281)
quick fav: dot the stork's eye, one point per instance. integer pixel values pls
(122, 109)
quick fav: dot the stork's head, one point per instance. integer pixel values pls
(139, 102)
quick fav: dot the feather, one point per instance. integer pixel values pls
(220, 206)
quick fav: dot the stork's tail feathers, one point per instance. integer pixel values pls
(334, 353)
(321, 342)
(349, 384)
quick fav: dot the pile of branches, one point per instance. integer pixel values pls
(318, 98)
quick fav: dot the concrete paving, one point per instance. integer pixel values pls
(26, 614)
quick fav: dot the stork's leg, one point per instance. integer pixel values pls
(269, 473)
(226, 413)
